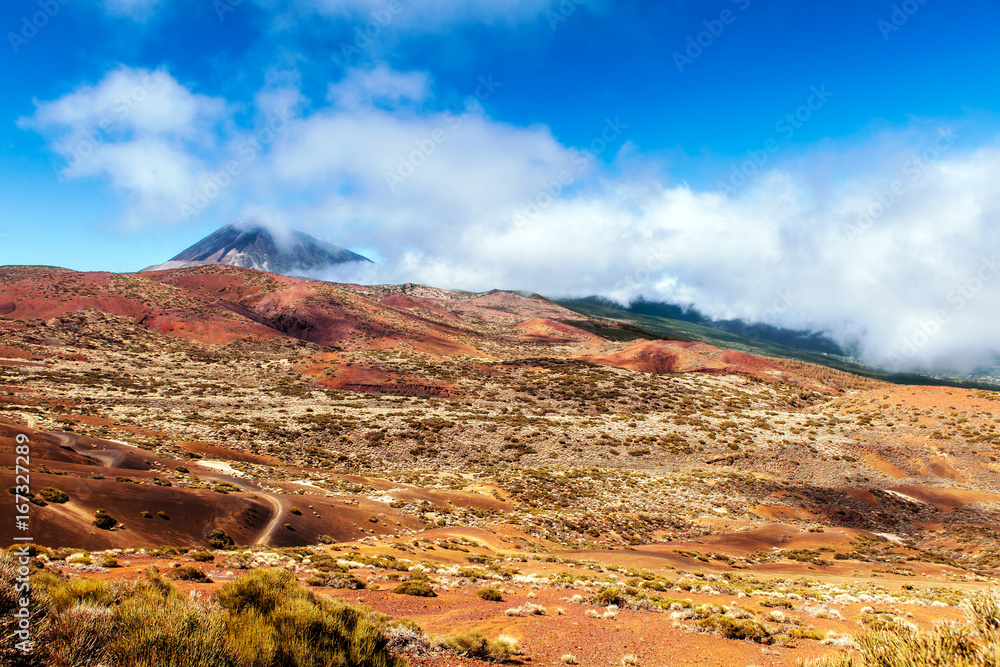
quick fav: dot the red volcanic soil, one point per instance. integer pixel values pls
(661, 356)
(942, 468)
(330, 372)
(945, 499)
(425, 305)
(189, 514)
(14, 353)
(550, 331)
(652, 638)
(219, 305)
(125, 481)
(47, 294)
(656, 356)
(215, 452)
(319, 312)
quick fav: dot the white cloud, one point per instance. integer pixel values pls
(128, 100)
(415, 16)
(456, 199)
(141, 130)
(379, 85)
(430, 14)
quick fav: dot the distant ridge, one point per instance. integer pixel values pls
(254, 246)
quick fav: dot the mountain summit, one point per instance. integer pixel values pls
(254, 246)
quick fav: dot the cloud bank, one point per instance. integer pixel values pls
(894, 257)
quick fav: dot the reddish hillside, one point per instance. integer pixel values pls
(221, 305)
(154, 505)
(40, 293)
(660, 356)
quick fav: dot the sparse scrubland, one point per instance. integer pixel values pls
(493, 482)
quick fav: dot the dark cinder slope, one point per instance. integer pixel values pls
(256, 247)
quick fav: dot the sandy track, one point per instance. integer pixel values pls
(266, 533)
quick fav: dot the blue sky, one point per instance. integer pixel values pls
(685, 173)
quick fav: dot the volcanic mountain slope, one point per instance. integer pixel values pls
(220, 305)
(255, 246)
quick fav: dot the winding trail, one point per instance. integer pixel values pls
(265, 535)
(267, 532)
(111, 458)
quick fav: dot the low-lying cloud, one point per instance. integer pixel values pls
(894, 257)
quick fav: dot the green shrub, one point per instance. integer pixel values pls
(418, 588)
(104, 521)
(474, 645)
(262, 619)
(33, 549)
(973, 644)
(64, 595)
(490, 594)
(53, 495)
(163, 515)
(337, 580)
(807, 633)
(202, 556)
(305, 629)
(145, 514)
(189, 573)
(296, 511)
(736, 628)
(168, 552)
(40, 612)
(168, 631)
(219, 539)
(607, 596)
(109, 561)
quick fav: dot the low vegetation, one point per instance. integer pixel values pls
(261, 619)
(418, 588)
(490, 594)
(892, 642)
(474, 645)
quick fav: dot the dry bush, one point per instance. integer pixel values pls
(527, 609)
(474, 645)
(262, 619)
(975, 643)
